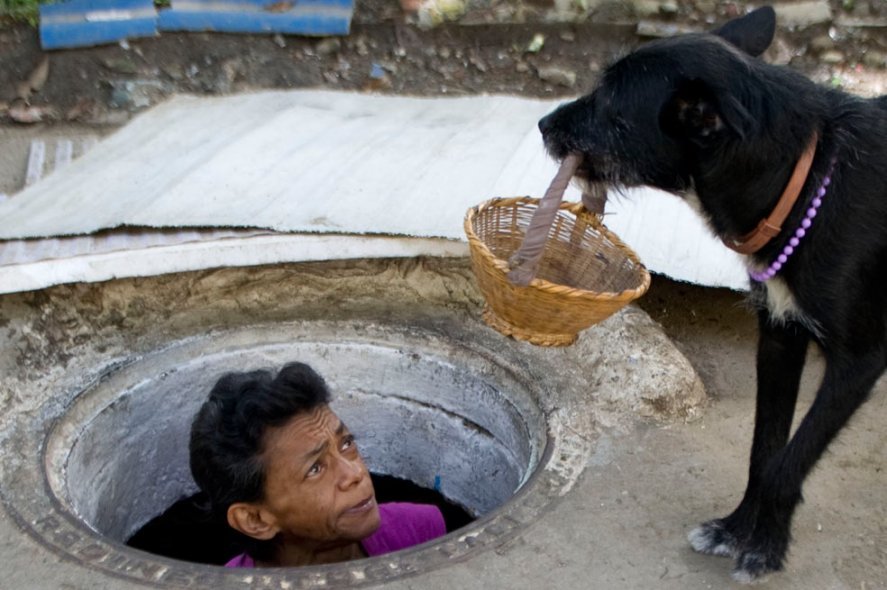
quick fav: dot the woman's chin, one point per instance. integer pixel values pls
(362, 521)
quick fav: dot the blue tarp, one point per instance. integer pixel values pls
(79, 23)
(302, 17)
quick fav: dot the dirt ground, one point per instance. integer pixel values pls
(844, 518)
(387, 52)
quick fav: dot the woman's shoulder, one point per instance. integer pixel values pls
(404, 524)
(242, 560)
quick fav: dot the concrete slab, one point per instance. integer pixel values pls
(622, 524)
(315, 162)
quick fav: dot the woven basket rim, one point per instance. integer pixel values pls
(544, 285)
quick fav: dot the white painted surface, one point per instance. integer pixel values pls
(311, 162)
(214, 253)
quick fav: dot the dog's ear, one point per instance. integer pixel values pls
(751, 33)
(699, 113)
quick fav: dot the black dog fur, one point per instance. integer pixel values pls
(701, 113)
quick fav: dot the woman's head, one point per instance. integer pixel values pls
(276, 461)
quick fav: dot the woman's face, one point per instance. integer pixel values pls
(316, 485)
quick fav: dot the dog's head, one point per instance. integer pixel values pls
(656, 106)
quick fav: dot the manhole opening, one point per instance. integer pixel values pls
(185, 531)
(439, 418)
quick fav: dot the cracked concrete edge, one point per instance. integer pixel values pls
(632, 368)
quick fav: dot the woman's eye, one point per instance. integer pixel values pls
(314, 469)
(348, 443)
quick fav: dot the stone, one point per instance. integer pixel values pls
(361, 47)
(557, 75)
(435, 12)
(874, 59)
(650, 28)
(802, 14)
(646, 8)
(123, 65)
(706, 6)
(832, 57)
(328, 46)
(136, 94)
(669, 7)
(821, 43)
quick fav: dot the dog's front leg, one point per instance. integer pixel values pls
(847, 382)
(782, 349)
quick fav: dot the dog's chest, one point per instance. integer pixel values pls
(782, 305)
(781, 302)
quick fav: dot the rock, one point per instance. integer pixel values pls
(173, 71)
(136, 94)
(360, 45)
(640, 370)
(110, 118)
(230, 70)
(648, 28)
(780, 52)
(536, 43)
(669, 7)
(123, 65)
(279, 40)
(821, 43)
(557, 75)
(328, 46)
(832, 57)
(802, 14)
(478, 63)
(874, 59)
(434, 12)
(706, 6)
(521, 67)
(21, 112)
(646, 8)
(610, 11)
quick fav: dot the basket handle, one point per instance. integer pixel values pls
(524, 263)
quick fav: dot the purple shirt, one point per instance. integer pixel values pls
(401, 525)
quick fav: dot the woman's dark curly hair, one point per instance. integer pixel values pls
(227, 435)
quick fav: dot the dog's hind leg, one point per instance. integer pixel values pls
(782, 349)
(847, 382)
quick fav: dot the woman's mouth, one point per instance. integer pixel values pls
(363, 506)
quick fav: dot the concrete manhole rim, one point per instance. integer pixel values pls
(55, 526)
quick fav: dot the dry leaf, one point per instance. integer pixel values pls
(22, 112)
(38, 77)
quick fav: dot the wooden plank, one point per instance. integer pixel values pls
(36, 161)
(81, 23)
(298, 17)
(64, 153)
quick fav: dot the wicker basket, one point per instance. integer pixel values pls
(585, 275)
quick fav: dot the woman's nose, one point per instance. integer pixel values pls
(352, 471)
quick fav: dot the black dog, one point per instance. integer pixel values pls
(701, 112)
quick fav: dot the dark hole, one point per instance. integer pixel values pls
(185, 531)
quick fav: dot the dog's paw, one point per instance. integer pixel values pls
(754, 566)
(713, 538)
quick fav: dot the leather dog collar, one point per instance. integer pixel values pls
(770, 226)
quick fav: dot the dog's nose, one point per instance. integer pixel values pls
(545, 123)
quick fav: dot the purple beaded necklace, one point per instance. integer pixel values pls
(795, 240)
